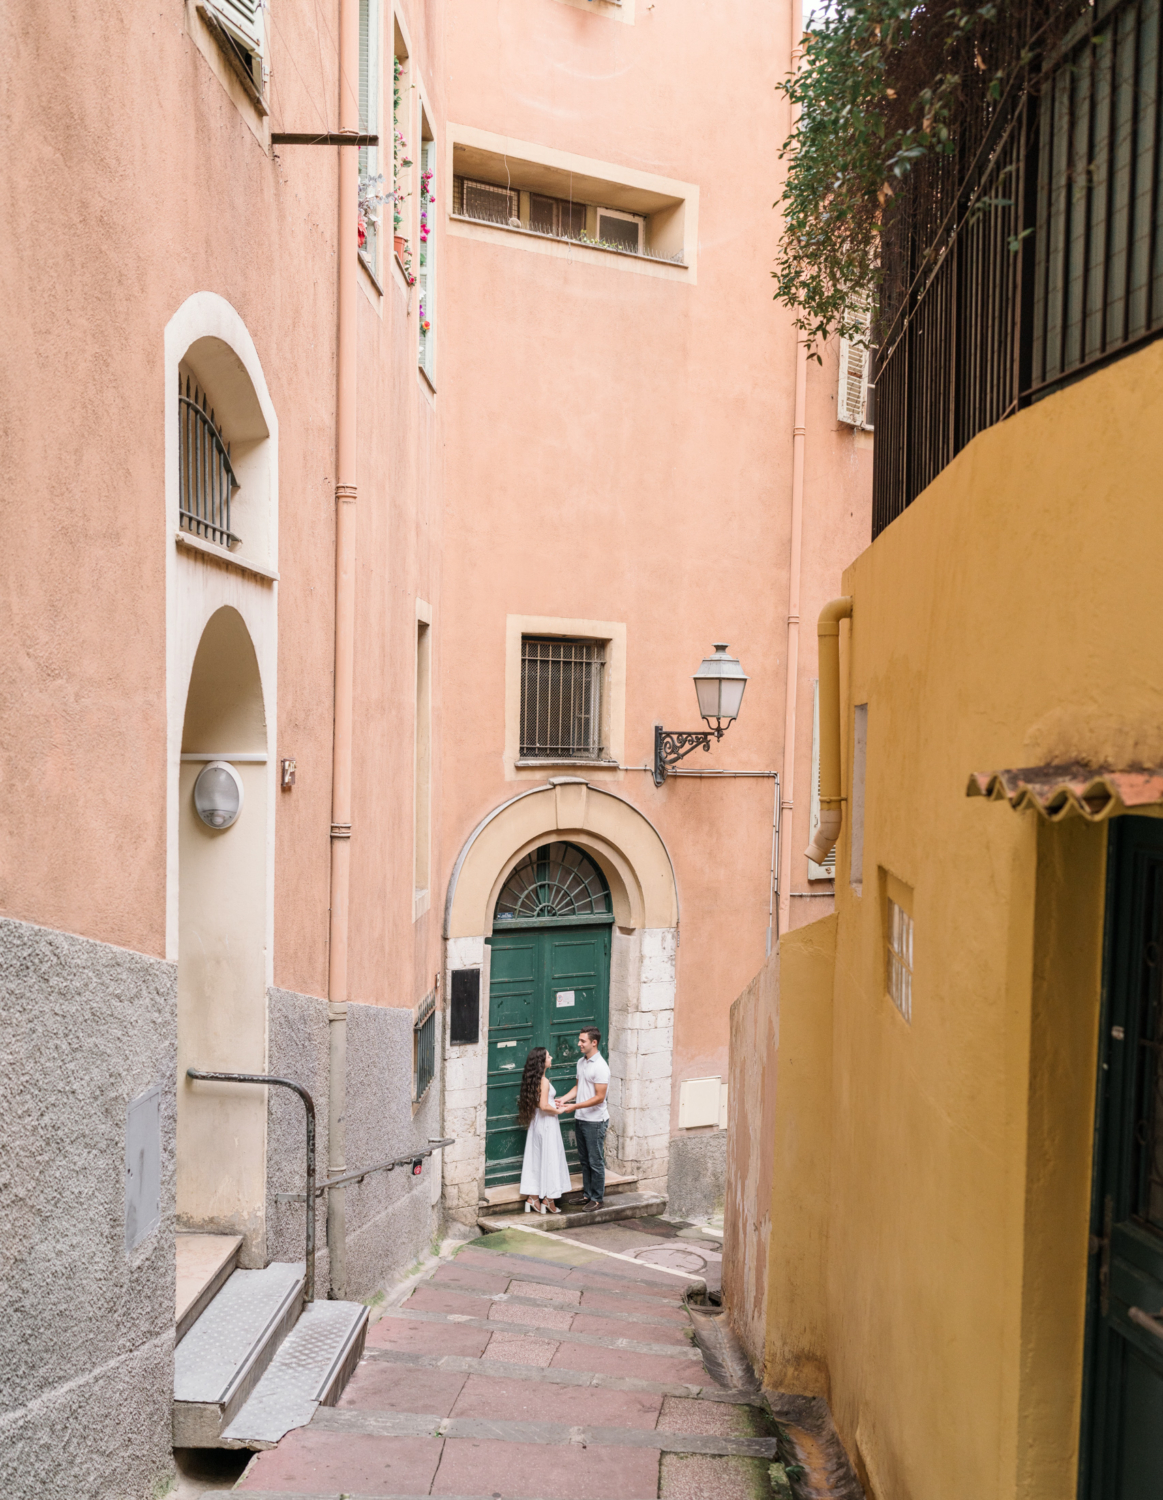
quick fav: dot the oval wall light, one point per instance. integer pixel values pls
(218, 795)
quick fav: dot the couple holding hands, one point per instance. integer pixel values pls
(544, 1172)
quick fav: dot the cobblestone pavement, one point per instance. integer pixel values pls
(533, 1366)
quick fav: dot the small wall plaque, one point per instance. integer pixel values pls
(564, 998)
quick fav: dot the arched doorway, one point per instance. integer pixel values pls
(550, 976)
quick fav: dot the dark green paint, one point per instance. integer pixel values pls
(1122, 1438)
(530, 966)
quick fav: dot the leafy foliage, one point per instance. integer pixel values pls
(883, 84)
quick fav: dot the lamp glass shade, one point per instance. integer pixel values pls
(719, 684)
(218, 795)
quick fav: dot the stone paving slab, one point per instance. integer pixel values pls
(507, 1347)
(602, 1360)
(519, 1247)
(695, 1476)
(381, 1386)
(427, 1337)
(599, 1299)
(311, 1459)
(529, 1472)
(629, 1325)
(444, 1299)
(541, 1315)
(517, 1371)
(596, 1340)
(469, 1278)
(515, 1400)
(397, 1424)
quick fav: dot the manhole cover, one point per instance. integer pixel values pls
(674, 1260)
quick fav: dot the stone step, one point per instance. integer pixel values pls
(203, 1265)
(228, 1349)
(313, 1364)
(499, 1200)
(620, 1206)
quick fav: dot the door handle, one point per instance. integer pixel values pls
(1145, 1320)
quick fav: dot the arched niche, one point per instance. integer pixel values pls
(224, 701)
(223, 919)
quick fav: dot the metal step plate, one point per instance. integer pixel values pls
(220, 1360)
(310, 1370)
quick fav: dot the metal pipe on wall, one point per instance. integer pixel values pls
(798, 442)
(345, 518)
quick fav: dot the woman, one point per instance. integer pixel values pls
(544, 1173)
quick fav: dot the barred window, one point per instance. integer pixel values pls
(561, 697)
(424, 1046)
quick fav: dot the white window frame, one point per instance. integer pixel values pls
(855, 377)
(369, 156)
(238, 24)
(618, 213)
(899, 957)
(426, 273)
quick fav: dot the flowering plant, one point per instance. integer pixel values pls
(400, 158)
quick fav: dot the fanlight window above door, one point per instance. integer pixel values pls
(557, 882)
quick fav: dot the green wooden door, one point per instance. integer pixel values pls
(547, 982)
(1122, 1450)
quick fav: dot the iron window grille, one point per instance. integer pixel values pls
(561, 698)
(207, 478)
(424, 1046)
(557, 881)
(486, 201)
(1029, 259)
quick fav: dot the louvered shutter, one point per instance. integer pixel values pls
(826, 871)
(855, 360)
(242, 18)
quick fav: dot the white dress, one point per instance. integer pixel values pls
(544, 1172)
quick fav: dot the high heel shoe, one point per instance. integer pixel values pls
(530, 1205)
(549, 1207)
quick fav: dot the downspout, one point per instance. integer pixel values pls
(345, 497)
(831, 790)
(787, 776)
(787, 779)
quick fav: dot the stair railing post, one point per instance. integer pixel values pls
(309, 1106)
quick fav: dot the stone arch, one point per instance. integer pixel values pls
(644, 894)
(622, 841)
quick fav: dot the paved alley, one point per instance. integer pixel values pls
(532, 1365)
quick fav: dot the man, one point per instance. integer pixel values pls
(587, 1099)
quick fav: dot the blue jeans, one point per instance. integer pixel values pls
(591, 1151)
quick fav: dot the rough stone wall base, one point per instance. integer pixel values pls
(86, 1334)
(391, 1218)
(698, 1174)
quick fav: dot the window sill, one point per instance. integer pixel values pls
(223, 554)
(557, 239)
(428, 381)
(367, 265)
(593, 763)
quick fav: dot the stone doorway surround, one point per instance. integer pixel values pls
(643, 956)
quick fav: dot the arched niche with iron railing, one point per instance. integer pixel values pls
(225, 462)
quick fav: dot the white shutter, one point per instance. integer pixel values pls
(855, 361)
(241, 17)
(826, 871)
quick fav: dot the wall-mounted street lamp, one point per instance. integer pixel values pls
(218, 795)
(719, 683)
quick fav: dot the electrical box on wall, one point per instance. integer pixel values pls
(464, 1022)
(143, 1175)
(702, 1101)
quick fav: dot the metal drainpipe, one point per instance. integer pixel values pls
(345, 517)
(831, 787)
(787, 778)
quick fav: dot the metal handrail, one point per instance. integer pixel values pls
(310, 1195)
(382, 1166)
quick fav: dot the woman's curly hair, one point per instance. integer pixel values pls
(531, 1086)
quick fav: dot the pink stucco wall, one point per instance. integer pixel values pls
(619, 447)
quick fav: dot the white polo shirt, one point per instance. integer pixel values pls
(592, 1071)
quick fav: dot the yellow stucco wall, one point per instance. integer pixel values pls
(1007, 618)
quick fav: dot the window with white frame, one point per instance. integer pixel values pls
(561, 698)
(854, 396)
(237, 27)
(900, 958)
(426, 276)
(372, 195)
